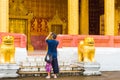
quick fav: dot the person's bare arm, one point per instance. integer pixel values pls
(48, 36)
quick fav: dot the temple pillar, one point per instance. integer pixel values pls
(117, 22)
(84, 17)
(4, 17)
(109, 17)
(73, 12)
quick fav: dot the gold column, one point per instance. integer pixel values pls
(73, 22)
(84, 17)
(109, 17)
(117, 20)
(4, 17)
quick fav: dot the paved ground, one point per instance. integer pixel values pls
(109, 75)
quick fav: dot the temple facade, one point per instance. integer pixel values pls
(36, 18)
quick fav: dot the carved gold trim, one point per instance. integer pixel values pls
(56, 21)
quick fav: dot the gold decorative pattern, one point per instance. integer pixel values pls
(19, 20)
(17, 8)
(39, 26)
(56, 25)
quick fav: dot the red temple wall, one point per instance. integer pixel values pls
(100, 40)
(19, 39)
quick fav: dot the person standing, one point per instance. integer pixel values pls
(52, 50)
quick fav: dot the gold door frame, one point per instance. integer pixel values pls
(28, 18)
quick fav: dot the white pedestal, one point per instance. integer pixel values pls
(8, 70)
(91, 68)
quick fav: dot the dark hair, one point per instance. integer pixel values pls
(54, 35)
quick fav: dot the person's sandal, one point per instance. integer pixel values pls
(47, 77)
(55, 76)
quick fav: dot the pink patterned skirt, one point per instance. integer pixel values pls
(48, 67)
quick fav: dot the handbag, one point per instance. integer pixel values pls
(48, 58)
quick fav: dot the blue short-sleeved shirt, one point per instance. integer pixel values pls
(52, 47)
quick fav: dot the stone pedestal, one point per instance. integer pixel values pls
(8, 70)
(91, 68)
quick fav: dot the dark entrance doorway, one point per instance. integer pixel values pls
(96, 8)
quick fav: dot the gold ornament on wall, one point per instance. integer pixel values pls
(56, 25)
